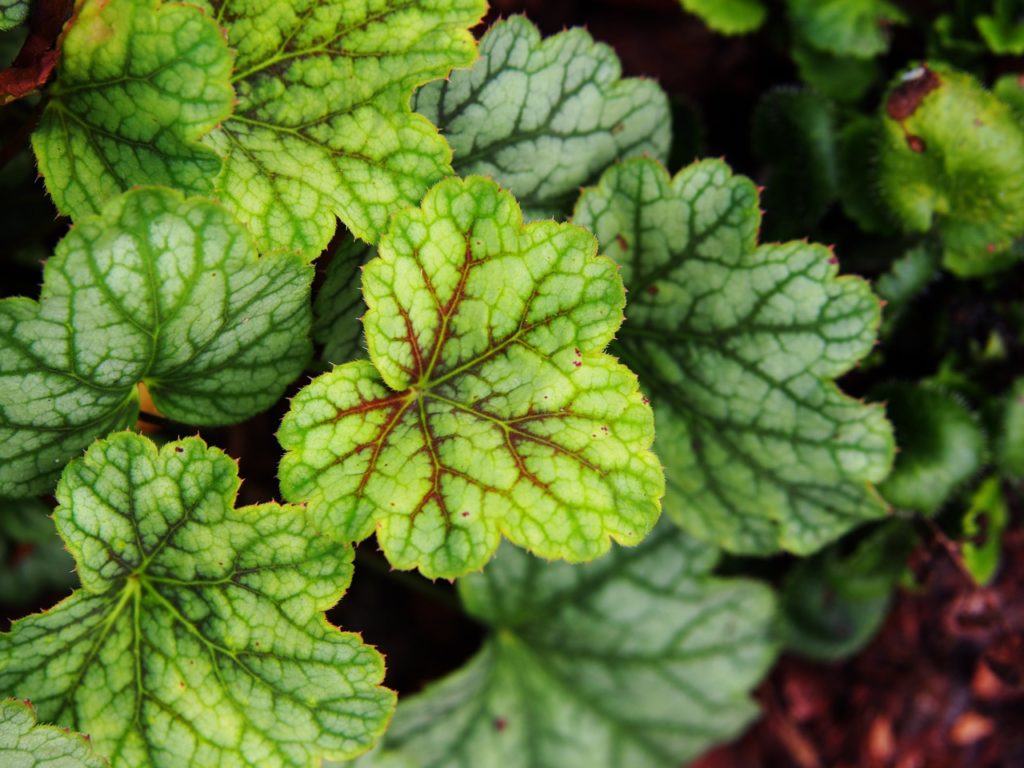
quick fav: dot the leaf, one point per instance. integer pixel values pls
(730, 17)
(737, 346)
(859, 184)
(1009, 444)
(857, 28)
(487, 407)
(544, 117)
(13, 13)
(33, 560)
(984, 522)
(941, 446)
(794, 135)
(907, 278)
(139, 82)
(323, 128)
(198, 637)
(339, 305)
(843, 78)
(159, 290)
(1003, 29)
(835, 602)
(952, 157)
(1010, 88)
(24, 744)
(641, 659)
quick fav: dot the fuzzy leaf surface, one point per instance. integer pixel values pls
(639, 659)
(139, 82)
(323, 127)
(25, 744)
(941, 446)
(730, 17)
(160, 290)
(737, 346)
(543, 117)
(857, 28)
(488, 406)
(952, 157)
(198, 636)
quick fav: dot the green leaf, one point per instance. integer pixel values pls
(1010, 88)
(139, 82)
(907, 278)
(1009, 444)
(730, 17)
(339, 305)
(834, 603)
(737, 346)
(13, 13)
(159, 290)
(859, 186)
(32, 557)
(488, 407)
(544, 117)
(641, 659)
(952, 157)
(941, 446)
(794, 135)
(843, 78)
(24, 744)
(857, 28)
(984, 523)
(1003, 29)
(323, 128)
(198, 637)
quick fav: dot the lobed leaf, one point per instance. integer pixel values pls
(24, 744)
(160, 290)
(730, 17)
(737, 346)
(640, 659)
(543, 117)
(139, 82)
(489, 407)
(952, 157)
(198, 636)
(323, 127)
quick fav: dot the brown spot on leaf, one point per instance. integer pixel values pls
(620, 240)
(916, 143)
(500, 724)
(652, 289)
(908, 95)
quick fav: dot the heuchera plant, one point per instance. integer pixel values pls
(531, 334)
